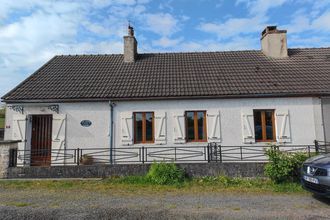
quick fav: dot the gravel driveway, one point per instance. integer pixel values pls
(74, 204)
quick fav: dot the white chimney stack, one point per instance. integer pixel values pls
(274, 43)
(130, 46)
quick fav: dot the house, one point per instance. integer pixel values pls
(164, 102)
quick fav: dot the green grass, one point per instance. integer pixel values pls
(142, 185)
(2, 122)
(18, 204)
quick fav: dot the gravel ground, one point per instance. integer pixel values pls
(73, 204)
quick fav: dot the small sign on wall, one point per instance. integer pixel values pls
(86, 123)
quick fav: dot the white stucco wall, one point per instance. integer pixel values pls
(305, 119)
(301, 110)
(97, 135)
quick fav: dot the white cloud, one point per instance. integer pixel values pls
(219, 3)
(233, 27)
(161, 23)
(126, 11)
(103, 47)
(315, 41)
(299, 23)
(106, 3)
(235, 43)
(317, 6)
(167, 42)
(23, 41)
(260, 7)
(322, 23)
(303, 23)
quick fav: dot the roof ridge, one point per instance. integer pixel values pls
(308, 48)
(189, 52)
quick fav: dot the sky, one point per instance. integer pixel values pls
(33, 31)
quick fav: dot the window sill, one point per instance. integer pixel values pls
(142, 144)
(261, 143)
(267, 141)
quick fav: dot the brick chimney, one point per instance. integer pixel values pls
(130, 46)
(274, 43)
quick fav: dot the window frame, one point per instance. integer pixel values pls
(263, 125)
(144, 128)
(196, 140)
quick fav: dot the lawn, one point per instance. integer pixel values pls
(140, 185)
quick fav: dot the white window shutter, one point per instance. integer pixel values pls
(58, 134)
(248, 126)
(283, 131)
(19, 127)
(160, 127)
(213, 126)
(19, 133)
(126, 128)
(179, 128)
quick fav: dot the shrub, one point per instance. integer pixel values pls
(284, 166)
(165, 174)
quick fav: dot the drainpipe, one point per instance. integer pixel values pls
(325, 138)
(112, 105)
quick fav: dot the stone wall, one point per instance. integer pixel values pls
(5, 147)
(101, 171)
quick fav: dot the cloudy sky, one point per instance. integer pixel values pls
(33, 31)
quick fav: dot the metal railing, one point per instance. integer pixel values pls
(2, 134)
(186, 154)
(322, 146)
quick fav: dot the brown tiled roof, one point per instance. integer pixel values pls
(178, 75)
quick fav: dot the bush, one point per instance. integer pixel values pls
(284, 166)
(165, 174)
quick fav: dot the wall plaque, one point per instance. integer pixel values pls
(86, 123)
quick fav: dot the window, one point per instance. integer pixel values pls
(143, 127)
(264, 125)
(196, 126)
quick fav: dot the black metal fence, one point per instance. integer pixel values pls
(185, 154)
(322, 146)
(12, 158)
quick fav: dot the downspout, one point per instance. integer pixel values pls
(112, 105)
(325, 138)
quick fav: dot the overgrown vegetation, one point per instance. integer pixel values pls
(283, 166)
(165, 174)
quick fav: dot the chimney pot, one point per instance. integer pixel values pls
(130, 31)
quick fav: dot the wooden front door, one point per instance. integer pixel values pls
(41, 140)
